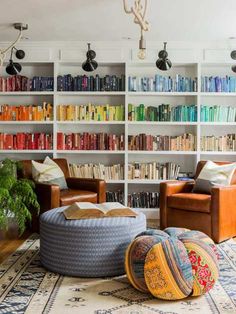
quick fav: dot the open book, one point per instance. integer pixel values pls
(86, 210)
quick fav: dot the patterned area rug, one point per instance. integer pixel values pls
(26, 287)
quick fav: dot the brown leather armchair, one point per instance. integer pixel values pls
(213, 214)
(79, 190)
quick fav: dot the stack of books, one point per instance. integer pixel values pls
(90, 83)
(161, 83)
(22, 141)
(153, 171)
(90, 112)
(42, 112)
(21, 83)
(185, 176)
(224, 143)
(218, 84)
(143, 200)
(97, 171)
(115, 196)
(89, 141)
(218, 113)
(185, 142)
(163, 112)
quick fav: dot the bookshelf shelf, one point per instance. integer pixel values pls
(162, 93)
(161, 123)
(218, 153)
(186, 159)
(165, 152)
(27, 122)
(218, 123)
(146, 181)
(115, 181)
(91, 122)
(221, 94)
(26, 93)
(111, 152)
(25, 151)
(91, 93)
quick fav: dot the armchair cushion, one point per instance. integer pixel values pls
(69, 196)
(190, 202)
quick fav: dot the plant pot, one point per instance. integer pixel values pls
(12, 232)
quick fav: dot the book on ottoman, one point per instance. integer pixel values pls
(87, 210)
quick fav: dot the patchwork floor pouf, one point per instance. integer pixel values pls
(172, 264)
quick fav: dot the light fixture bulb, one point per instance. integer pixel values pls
(142, 54)
(142, 48)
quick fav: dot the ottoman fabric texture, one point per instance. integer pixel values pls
(172, 264)
(86, 247)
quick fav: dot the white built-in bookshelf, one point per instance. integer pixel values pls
(186, 159)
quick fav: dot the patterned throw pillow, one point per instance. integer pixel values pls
(212, 175)
(48, 172)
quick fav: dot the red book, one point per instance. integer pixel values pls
(8, 141)
(60, 141)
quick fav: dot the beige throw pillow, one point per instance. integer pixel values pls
(48, 172)
(212, 175)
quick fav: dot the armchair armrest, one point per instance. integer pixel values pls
(167, 189)
(95, 185)
(48, 196)
(223, 214)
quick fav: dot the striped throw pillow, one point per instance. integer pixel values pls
(48, 172)
(212, 175)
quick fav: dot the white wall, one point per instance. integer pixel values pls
(218, 51)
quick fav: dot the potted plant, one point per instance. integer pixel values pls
(17, 197)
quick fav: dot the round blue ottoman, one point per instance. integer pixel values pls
(86, 247)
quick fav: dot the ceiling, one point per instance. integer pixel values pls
(105, 20)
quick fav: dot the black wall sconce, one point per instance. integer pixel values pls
(233, 56)
(14, 68)
(90, 64)
(163, 63)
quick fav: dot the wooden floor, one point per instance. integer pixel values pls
(7, 247)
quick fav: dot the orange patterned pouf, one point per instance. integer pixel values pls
(172, 264)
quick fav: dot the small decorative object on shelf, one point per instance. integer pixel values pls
(224, 143)
(90, 112)
(164, 112)
(89, 141)
(26, 141)
(216, 113)
(153, 171)
(97, 171)
(161, 83)
(21, 83)
(185, 176)
(143, 200)
(218, 84)
(185, 142)
(84, 83)
(42, 112)
(163, 63)
(115, 196)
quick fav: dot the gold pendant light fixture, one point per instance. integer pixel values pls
(139, 11)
